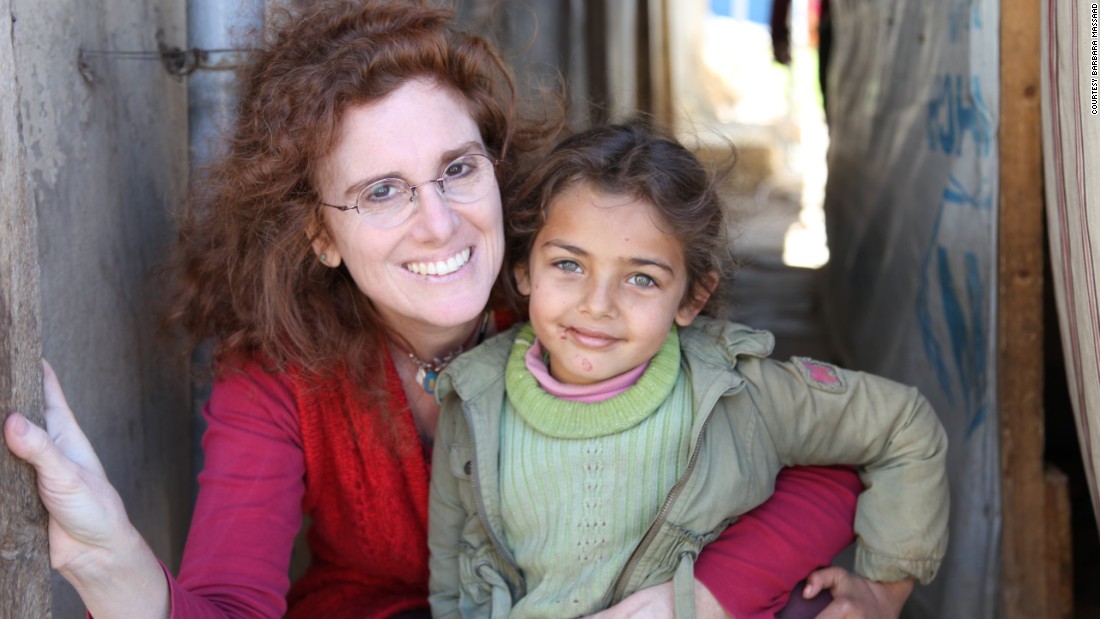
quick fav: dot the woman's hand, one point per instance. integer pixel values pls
(658, 601)
(92, 542)
(855, 597)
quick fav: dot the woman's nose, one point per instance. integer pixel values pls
(435, 219)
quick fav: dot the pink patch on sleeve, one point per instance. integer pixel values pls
(823, 374)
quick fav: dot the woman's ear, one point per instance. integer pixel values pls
(698, 299)
(523, 279)
(324, 248)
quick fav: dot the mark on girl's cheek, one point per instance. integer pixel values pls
(586, 365)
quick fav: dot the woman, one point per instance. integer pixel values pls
(330, 316)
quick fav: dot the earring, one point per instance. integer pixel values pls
(323, 258)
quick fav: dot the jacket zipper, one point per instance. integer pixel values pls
(662, 514)
(476, 482)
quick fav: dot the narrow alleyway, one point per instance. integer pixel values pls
(775, 194)
(766, 293)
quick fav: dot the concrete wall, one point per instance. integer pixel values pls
(106, 161)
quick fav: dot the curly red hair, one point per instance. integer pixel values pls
(245, 272)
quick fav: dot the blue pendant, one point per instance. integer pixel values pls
(427, 379)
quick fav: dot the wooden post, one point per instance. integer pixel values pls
(1059, 546)
(1035, 509)
(24, 557)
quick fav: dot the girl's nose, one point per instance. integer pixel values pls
(599, 299)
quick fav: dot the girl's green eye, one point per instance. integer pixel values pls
(568, 266)
(643, 280)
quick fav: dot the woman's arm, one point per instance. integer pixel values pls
(92, 542)
(750, 570)
(237, 558)
(752, 567)
(248, 512)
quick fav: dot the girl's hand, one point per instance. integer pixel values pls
(92, 542)
(658, 602)
(855, 597)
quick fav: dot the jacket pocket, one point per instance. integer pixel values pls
(462, 461)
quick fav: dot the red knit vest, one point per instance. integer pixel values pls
(367, 496)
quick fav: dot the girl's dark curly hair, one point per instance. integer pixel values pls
(245, 272)
(637, 159)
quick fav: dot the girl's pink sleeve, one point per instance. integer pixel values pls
(753, 565)
(248, 511)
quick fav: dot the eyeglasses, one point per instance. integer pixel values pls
(390, 202)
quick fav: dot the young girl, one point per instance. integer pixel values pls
(595, 450)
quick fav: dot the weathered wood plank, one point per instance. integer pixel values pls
(24, 560)
(1020, 317)
(1059, 545)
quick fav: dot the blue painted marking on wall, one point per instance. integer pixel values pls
(975, 352)
(957, 111)
(932, 348)
(961, 312)
(963, 17)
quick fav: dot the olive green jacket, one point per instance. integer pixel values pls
(753, 415)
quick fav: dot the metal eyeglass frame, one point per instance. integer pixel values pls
(439, 181)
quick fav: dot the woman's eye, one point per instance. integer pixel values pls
(568, 266)
(643, 280)
(383, 191)
(458, 168)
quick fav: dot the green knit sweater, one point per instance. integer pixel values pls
(581, 482)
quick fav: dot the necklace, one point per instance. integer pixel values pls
(428, 371)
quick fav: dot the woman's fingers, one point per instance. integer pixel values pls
(819, 580)
(840, 583)
(62, 427)
(855, 597)
(52, 450)
(31, 443)
(71, 480)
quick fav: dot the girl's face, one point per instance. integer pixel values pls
(437, 268)
(605, 284)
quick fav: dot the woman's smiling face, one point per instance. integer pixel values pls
(437, 268)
